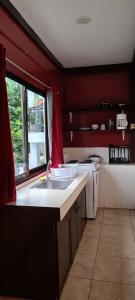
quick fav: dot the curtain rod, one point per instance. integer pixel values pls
(21, 69)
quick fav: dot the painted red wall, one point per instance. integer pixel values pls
(23, 51)
(87, 90)
(80, 90)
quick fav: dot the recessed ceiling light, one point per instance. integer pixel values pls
(83, 20)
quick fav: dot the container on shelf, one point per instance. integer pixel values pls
(110, 124)
(132, 126)
(95, 126)
(121, 121)
(103, 127)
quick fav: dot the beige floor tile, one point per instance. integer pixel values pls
(111, 291)
(133, 231)
(132, 212)
(117, 232)
(76, 289)
(119, 248)
(117, 220)
(88, 245)
(92, 230)
(83, 266)
(133, 220)
(115, 269)
(108, 212)
(99, 216)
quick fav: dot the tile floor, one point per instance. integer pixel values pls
(104, 266)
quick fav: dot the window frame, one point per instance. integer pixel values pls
(40, 169)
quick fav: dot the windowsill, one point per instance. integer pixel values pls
(28, 181)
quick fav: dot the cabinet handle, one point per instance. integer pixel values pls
(77, 208)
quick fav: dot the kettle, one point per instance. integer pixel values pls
(121, 121)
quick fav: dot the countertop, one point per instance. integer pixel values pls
(61, 200)
(117, 164)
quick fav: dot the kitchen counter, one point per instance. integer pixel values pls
(42, 230)
(116, 164)
(59, 200)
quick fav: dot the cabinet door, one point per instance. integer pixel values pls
(63, 240)
(83, 200)
(79, 217)
(78, 220)
(74, 237)
(81, 213)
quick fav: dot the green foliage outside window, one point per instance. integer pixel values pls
(14, 91)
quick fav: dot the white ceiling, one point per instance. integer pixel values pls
(108, 39)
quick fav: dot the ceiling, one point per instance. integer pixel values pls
(108, 39)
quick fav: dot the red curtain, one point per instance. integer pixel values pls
(57, 146)
(7, 175)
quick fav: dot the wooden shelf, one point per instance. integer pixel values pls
(95, 109)
(102, 131)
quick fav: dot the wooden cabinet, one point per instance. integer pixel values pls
(27, 253)
(83, 210)
(36, 251)
(63, 244)
(73, 231)
(69, 233)
(78, 220)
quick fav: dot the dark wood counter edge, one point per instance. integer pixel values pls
(53, 211)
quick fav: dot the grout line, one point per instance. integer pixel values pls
(130, 218)
(96, 255)
(121, 225)
(110, 256)
(115, 282)
(121, 257)
(117, 225)
(132, 227)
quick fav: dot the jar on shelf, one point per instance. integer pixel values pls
(103, 126)
(110, 124)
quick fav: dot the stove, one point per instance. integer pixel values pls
(87, 162)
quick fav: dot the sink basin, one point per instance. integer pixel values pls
(53, 184)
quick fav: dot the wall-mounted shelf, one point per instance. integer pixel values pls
(95, 109)
(75, 119)
(98, 130)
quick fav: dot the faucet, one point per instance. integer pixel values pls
(48, 169)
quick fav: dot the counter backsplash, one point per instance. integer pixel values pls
(79, 153)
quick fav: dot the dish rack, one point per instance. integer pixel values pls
(119, 154)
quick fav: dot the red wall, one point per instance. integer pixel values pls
(23, 51)
(80, 90)
(85, 91)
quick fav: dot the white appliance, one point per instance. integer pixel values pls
(92, 187)
(121, 121)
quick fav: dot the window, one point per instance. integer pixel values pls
(27, 112)
(36, 129)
